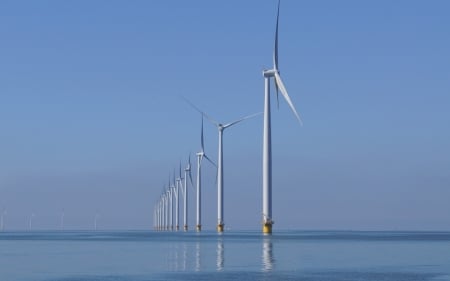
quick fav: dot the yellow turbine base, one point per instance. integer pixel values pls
(220, 228)
(185, 228)
(267, 228)
(198, 227)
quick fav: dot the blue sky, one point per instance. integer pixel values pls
(92, 120)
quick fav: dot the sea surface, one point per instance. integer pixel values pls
(285, 255)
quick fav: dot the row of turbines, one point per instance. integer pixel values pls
(166, 210)
(33, 215)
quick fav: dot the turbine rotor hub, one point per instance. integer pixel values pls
(269, 72)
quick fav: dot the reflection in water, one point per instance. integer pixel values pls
(185, 251)
(220, 255)
(197, 257)
(268, 261)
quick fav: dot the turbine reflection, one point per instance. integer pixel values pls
(268, 261)
(220, 255)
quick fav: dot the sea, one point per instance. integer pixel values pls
(233, 255)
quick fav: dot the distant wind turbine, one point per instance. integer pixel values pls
(31, 221)
(171, 193)
(267, 145)
(187, 172)
(167, 196)
(221, 128)
(163, 211)
(2, 220)
(176, 192)
(96, 221)
(200, 156)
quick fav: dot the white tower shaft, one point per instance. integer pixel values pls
(267, 161)
(199, 193)
(220, 214)
(185, 213)
(177, 212)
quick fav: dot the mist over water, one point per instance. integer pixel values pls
(289, 255)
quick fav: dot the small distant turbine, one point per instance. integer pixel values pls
(167, 196)
(30, 225)
(178, 186)
(171, 195)
(2, 220)
(267, 136)
(187, 172)
(96, 221)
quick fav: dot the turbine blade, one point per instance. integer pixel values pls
(283, 91)
(202, 141)
(190, 178)
(202, 112)
(275, 51)
(174, 173)
(210, 161)
(240, 120)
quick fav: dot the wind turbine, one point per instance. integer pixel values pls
(163, 211)
(267, 145)
(187, 172)
(221, 128)
(31, 221)
(176, 192)
(167, 195)
(2, 220)
(200, 156)
(95, 220)
(171, 188)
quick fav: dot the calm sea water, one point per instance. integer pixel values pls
(288, 255)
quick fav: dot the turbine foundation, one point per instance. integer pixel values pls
(198, 227)
(267, 228)
(185, 228)
(220, 227)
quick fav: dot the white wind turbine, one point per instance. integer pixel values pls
(96, 221)
(30, 225)
(221, 128)
(200, 156)
(267, 145)
(176, 192)
(167, 197)
(187, 172)
(2, 220)
(163, 211)
(171, 187)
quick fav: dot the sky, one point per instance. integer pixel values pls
(92, 119)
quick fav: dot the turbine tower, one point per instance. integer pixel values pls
(167, 196)
(31, 221)
(187, 172)
(267, 145)
(200, 156)
(2, 220)
(221, 128)
(171, 206)
(176, 192)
